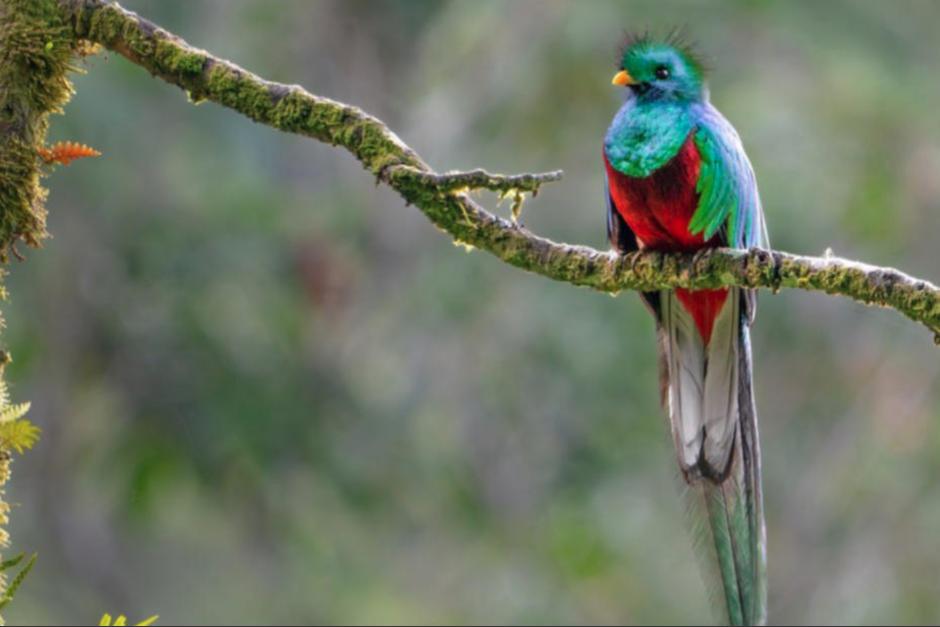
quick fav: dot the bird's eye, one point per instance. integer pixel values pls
(662, 72)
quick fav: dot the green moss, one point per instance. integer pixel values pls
(173, 59)
(324, 120)
(369, 141)
(37, 49)
(231, 88)
(105, 26)
(292, 112)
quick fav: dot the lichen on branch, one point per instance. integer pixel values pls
(475, 179)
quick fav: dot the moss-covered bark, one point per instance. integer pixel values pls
(37, 47)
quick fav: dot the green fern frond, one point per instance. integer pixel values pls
(4, 393)
(19, 434)
(17, 581)
(10, 563)
(9, 413)
(121, 621)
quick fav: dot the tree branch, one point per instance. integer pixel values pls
(443, 197)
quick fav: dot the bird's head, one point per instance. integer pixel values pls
(666, 69)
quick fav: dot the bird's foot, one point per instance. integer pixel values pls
(700, 255)
(634, 260)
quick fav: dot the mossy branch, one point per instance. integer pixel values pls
(442, 197)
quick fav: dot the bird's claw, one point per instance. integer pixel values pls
(634, 260)
(700, 254)
(776, 278)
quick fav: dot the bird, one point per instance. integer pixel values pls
(678, 179)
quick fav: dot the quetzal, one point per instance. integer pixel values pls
(678, 180)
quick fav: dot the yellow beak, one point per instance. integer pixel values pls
(622, 79)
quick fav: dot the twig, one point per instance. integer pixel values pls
(476, 179)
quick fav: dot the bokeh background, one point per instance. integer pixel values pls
(270, 392)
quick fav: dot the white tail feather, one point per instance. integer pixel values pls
(702, 391)
(721, 384)
(685, 355)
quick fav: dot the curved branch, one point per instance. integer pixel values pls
(442, 198)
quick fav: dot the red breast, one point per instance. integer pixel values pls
(658, 209)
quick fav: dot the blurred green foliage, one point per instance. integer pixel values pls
(271, 393)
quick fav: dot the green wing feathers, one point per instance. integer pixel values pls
(727, 188)
(717, 198)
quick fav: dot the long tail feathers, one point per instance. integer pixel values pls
(736, 535)
(725, 499)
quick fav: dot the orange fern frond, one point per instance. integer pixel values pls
(66, 152)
